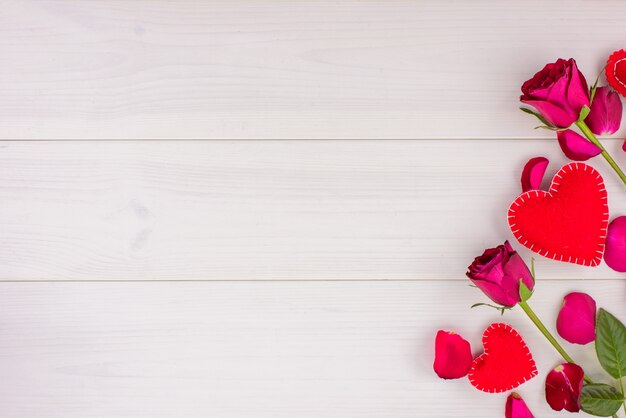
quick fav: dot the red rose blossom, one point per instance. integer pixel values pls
(558, 92)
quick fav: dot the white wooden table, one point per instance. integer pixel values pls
(266, 208)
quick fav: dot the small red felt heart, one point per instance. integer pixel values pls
(616, 71)
(567, 223)
(506, 362)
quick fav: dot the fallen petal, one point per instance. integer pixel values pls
(453, 355)
(576, 147)
(576, 322)
(533, 173)
(606, 112)
(516, 407)
(615, 250)
(563, 386)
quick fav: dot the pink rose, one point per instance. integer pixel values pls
(576, 322)
(558, 92)
(605, 116)
(564, 384)
(498, 273)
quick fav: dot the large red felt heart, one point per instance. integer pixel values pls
(506, 362)
(567, 223)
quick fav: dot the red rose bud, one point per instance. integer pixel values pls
(498, 273)
(558, 93)
(616, 71)
(606, 112)
(576, 322)
(453, 355)
(576, 147)
(563, 386)
(533, 173)
(615, 249)
(516, 407)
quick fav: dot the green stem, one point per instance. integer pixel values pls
(621, 386)
(591, 137)
(535, 319)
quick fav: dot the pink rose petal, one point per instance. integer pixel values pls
(576, 322)
(453, 355)
(516, 407)
(533, 173)
(576, 147)
(606, 112)
(615, 250)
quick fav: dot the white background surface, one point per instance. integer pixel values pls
(266, 209)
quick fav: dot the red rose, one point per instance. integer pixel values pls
(498, 273)
(558, 92)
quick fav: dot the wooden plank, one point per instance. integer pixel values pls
(263, 209)
(264, 349)
(109, 69)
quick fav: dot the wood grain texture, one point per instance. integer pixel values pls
(263, 209)
(275, 69)
(271, 349)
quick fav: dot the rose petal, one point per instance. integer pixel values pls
(615, 250)
(516, 407)
(577, 90)
(576, 322)
(576, 147)
(605, 116)
(533, 173)
(563, 386)
(453, 355)
(552, 113)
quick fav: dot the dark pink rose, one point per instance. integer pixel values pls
(453, 355)
(615, 250)
(558, 92)
(575, 146)
(516, 407)
(606, 112)
(498, 273)
(576, 322)
(563, 386)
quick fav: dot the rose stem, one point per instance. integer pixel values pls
(621, 386)
(535, 319)
(591, 137)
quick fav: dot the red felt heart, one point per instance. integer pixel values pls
(567, 223)
(506, 362)
(616, 71)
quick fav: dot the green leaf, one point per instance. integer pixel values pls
(524, 292)
(600, 400)
(537, 115)
(584, 112)
(611, 344)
